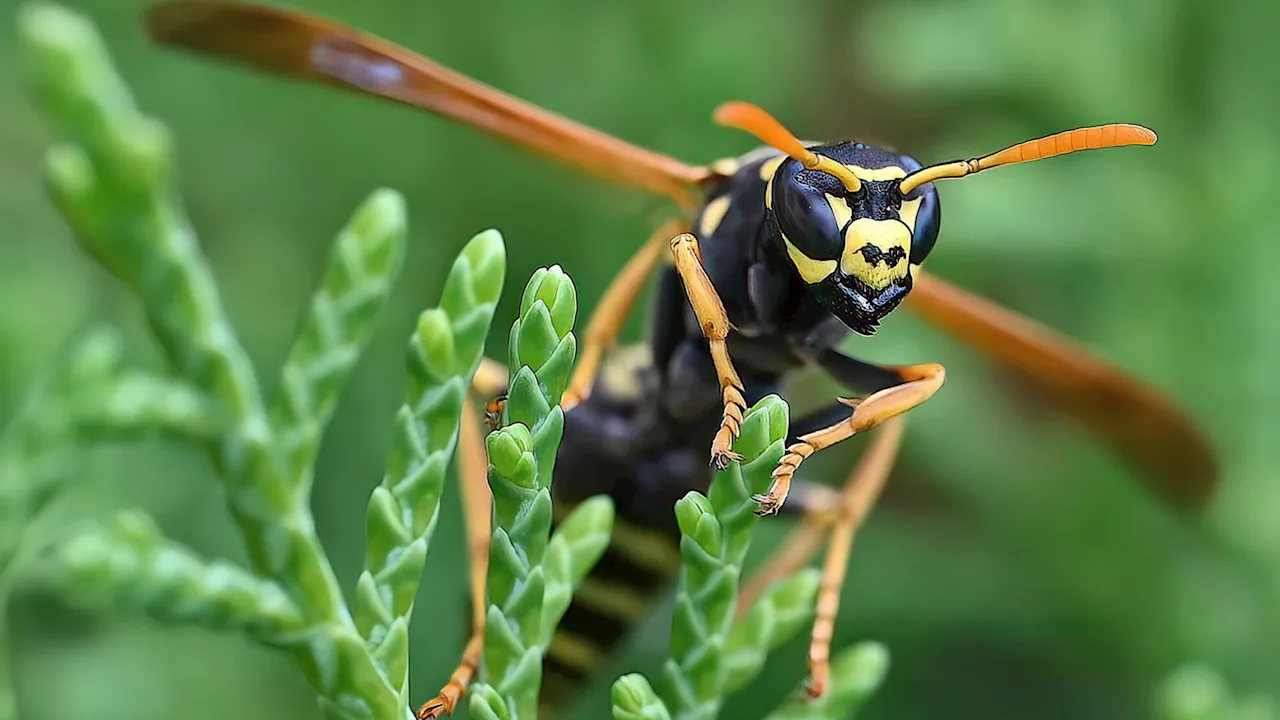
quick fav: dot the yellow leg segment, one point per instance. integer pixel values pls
(715, 327)
(919, 383)
(612, 311)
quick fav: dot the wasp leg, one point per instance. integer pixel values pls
(917, 383)
(473, 464)
(860, 377)
(861, 492)
(715, 327)
(612, 311)
(841, 518)
(818, 507)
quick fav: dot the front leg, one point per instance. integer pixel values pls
(715, 327)
(915, 384)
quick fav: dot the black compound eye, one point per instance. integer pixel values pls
(804, 215)
(928, 222)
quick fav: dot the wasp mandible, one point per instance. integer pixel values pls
(775, 258)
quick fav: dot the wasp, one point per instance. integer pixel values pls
(771, 261)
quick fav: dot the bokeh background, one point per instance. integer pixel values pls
(1014, 570)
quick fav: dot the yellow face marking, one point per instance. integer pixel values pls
(725, 166)
(891, 172)
(812, 271)
(840, 209)
(909, 210)
(883, 235)
(712, 215)
(769, 167)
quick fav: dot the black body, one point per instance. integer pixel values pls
(644, 441)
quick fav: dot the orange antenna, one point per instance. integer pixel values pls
(1069, 141)
(748, 117)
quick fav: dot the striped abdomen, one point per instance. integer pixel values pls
(618, 443)
(618, 593)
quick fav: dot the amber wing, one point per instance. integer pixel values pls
(311, 48)
(1141, 423)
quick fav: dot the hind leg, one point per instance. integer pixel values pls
(838, 515)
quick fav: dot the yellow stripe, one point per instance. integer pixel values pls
(712, 215)
(607, 598)
(892, 172)
(725, 166)
(647, 548)
(769, 167)
(621, 372)
(650, 549)
(576, 652)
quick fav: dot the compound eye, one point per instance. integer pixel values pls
(805, 215)
(928, 222)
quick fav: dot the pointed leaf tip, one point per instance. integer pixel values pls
(596, 511)
(764, 424)
(633, 698)
(863, 667)
(485, 243)
(54, 27)
(381, 217)
(556, 290)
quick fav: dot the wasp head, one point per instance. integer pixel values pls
(856, 247)
(856, 220)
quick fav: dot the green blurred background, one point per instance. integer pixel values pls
(1015, 570)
